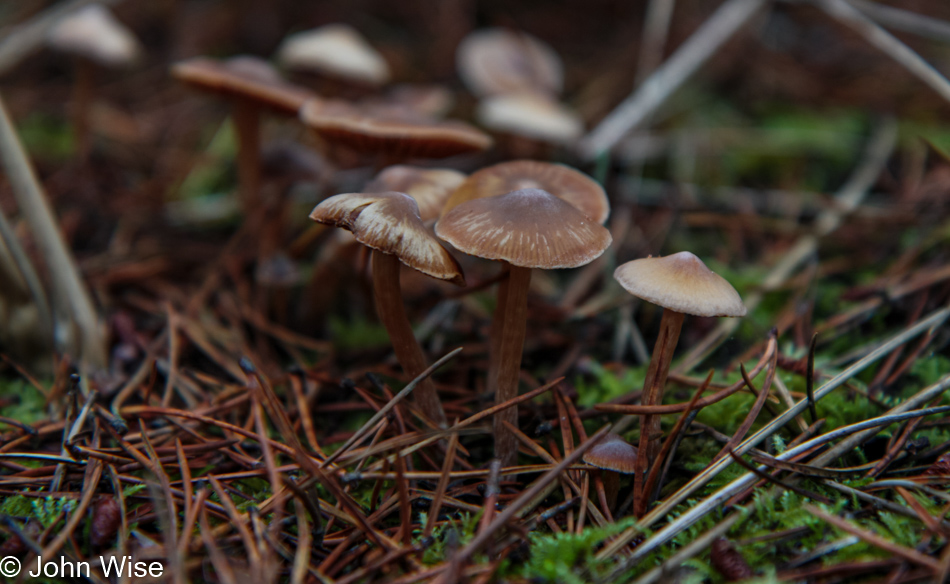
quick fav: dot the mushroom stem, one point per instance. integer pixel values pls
(392, 313)
(247, 115)
(509, 362)
(83, 88)
(497, 326)
(670, 326)
(611, 480)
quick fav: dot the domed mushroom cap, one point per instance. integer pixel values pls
(496, 61)
(680, 282)
(430, 187)
(532, 116)
(93, 32)
(404, 136)
(530, 228)
(390, 223)
(243, 76)
(613, 453)
(336, 50)
(563, 182)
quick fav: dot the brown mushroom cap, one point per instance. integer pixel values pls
(613, 453)
(243, 76)
(530, 228)
(336, 50)
(497, 61)
(94, 33)
(530, 115)
(680, 282)
(403, 136)
(563, 182)
(390, 223)
(430, 187)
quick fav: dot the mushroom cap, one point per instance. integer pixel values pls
(406, 136)
(243, 76)
(94, 33)
(390, 222)
(530, 228)
(562, 181)
(680, 282)
(336, 50)
(613, 453)
(497, 61)
(430, 187)
(530, 115)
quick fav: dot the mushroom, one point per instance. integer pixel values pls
(95, 38)
(252, 85)
(389, 224)
(525, 229)
(394, 137)
(682, 284)
(430, 187)
(530, 115)
(497, 61)
(615, 456)
(564, 182)
(337, 51)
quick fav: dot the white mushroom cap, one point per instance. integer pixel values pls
(497, 61)
(93, 32)
(531, 115)
(680, 282)
(336, 50)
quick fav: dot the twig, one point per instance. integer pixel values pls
(908, 554)
(905, 20)
(68, 286)
(695, 547)
(670, 76)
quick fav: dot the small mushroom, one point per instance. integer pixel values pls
(430, 187)
(615, 456)
(528, 228)
(497, 61)
(389, 224)
(95, 38)
(393, 137)
(532, 116)
(252, 85)
(682, 284)
(337, 51)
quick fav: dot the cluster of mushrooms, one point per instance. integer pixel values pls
(523, 214)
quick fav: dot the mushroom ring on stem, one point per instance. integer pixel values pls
(526, 229)
(390, 224)
(682, 284)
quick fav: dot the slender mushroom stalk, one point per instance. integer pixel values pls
(83, 89)
(392, 313)
(247, 125)
(670, 325)
(389, 224)
(515, 311)
(528, 228)
(682, 284)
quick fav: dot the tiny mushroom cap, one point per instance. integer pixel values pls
(530, 228)
(406, 136)
(680, 282)
(530, 115)
(246, 77)
(390, 223)
(563, 182)
(613, 453)
(430, 187)
(94, 33)
(497, 61)
(336, 50)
